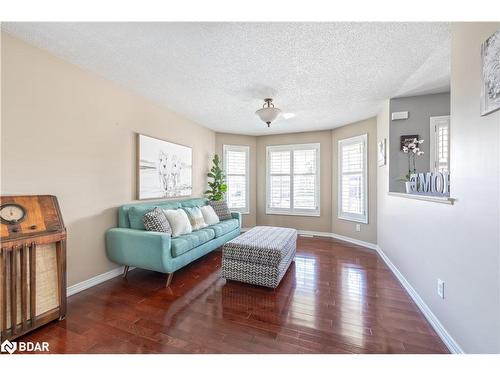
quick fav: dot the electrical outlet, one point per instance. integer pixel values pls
(358, 227)
(440, 288)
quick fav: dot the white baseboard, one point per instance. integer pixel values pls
(354, 241)
(96, 280)
(450, 343)
(332, 235)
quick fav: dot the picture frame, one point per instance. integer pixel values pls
(381, 153)
(490, 74)
(407, 138)
(164, 169)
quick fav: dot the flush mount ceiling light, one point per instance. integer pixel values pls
(268, 113)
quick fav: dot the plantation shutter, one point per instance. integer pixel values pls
(304, 179)
(293, 179)
(236, 169)
(443, 156)
(280, 162)
(352, 179)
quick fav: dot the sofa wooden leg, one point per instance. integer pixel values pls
(169, 279)
(125, 272)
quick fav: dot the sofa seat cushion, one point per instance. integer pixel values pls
(225, 226)
(187, 242)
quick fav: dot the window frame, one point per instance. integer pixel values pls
(346, 215)
(292, 211)
(239, 148)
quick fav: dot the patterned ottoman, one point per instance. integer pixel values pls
(260, 256)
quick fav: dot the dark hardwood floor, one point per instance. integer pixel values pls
(335, 298)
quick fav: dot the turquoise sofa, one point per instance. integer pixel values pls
(132, 246)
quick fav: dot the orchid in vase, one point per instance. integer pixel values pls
(412, 149)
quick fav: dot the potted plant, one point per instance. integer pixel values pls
(412, 149)
(218, 186)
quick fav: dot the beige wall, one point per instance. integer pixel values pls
(347, 228)
(459, 244)
(250, 219)
(328, 221)
(70, 133)
(318, 224)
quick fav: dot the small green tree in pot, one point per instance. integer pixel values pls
(218, 186)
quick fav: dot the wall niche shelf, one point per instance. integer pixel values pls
(445, 200)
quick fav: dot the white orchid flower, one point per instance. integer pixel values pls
(421, 141)
(420, 153)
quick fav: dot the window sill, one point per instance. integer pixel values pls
(445, 200)
(240, 211)
(354, 220)
(311, 214)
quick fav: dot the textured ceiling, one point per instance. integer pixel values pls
(217, 74)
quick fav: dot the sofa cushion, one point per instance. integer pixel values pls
(209, 215)
(221, 209)
(225, 226)
(179, 222)
(156, 221)
(195, 217)
(187, 242)
(136, 213)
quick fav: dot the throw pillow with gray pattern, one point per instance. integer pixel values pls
(221, 209)
(156, 221)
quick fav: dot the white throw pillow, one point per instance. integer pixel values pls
(209, 215)
(179, 222)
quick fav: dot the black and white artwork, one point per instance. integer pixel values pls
(490, 74)
(165, 169)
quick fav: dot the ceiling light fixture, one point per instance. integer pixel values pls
(268, 113)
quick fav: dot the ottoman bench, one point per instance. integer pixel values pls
(260, 256)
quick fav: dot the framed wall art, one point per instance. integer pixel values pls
(490, 74)
(164, 168)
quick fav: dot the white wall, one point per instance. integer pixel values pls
(459, 244)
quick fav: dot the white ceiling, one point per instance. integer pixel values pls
(217, 74)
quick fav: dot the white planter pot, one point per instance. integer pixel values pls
(407, 186)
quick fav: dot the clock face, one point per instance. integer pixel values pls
(12, 213)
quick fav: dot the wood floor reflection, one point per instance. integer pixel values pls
(335, 298)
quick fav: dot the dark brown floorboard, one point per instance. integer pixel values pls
(335, 298)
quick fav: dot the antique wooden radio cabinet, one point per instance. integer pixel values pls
(32, 264)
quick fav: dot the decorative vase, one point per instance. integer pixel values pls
(407, 186)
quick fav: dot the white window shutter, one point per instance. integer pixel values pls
(352, 179)
(293, 179)
(236, 168)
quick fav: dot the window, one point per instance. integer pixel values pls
(352, 179)
(237, 177)
(293, 180)
(440, 144)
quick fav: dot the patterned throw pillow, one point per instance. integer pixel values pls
(156, 221)
(221, 209)
(195, 217)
